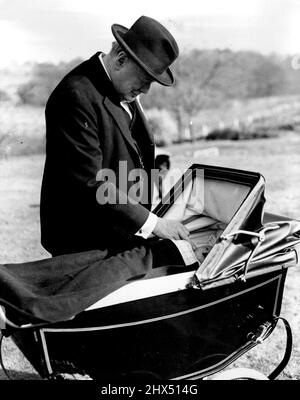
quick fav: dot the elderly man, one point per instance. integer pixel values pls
(94, 123)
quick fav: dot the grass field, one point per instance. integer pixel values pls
(278, 159)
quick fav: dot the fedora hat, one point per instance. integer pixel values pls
(151, 46)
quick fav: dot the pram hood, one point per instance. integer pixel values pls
(252, 241)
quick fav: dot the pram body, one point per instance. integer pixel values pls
(183, 323)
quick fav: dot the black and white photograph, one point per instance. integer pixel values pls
(149, 193)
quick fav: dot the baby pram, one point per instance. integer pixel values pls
(181, 322)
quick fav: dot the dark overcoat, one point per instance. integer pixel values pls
(86, 131)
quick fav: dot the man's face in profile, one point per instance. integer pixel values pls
(130, 80)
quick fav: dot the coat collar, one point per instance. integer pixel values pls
(96, 73)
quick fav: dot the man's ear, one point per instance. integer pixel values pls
(121, 60)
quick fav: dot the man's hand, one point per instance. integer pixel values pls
(171, 229)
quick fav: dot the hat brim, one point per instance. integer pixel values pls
(166, 78)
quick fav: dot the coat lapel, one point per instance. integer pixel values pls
(119, 117)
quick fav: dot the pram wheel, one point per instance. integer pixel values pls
(241, 374)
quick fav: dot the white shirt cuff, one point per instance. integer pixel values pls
(148, 227)
(186, 251)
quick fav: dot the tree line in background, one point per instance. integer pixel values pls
(208, 79)
(205, 79)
